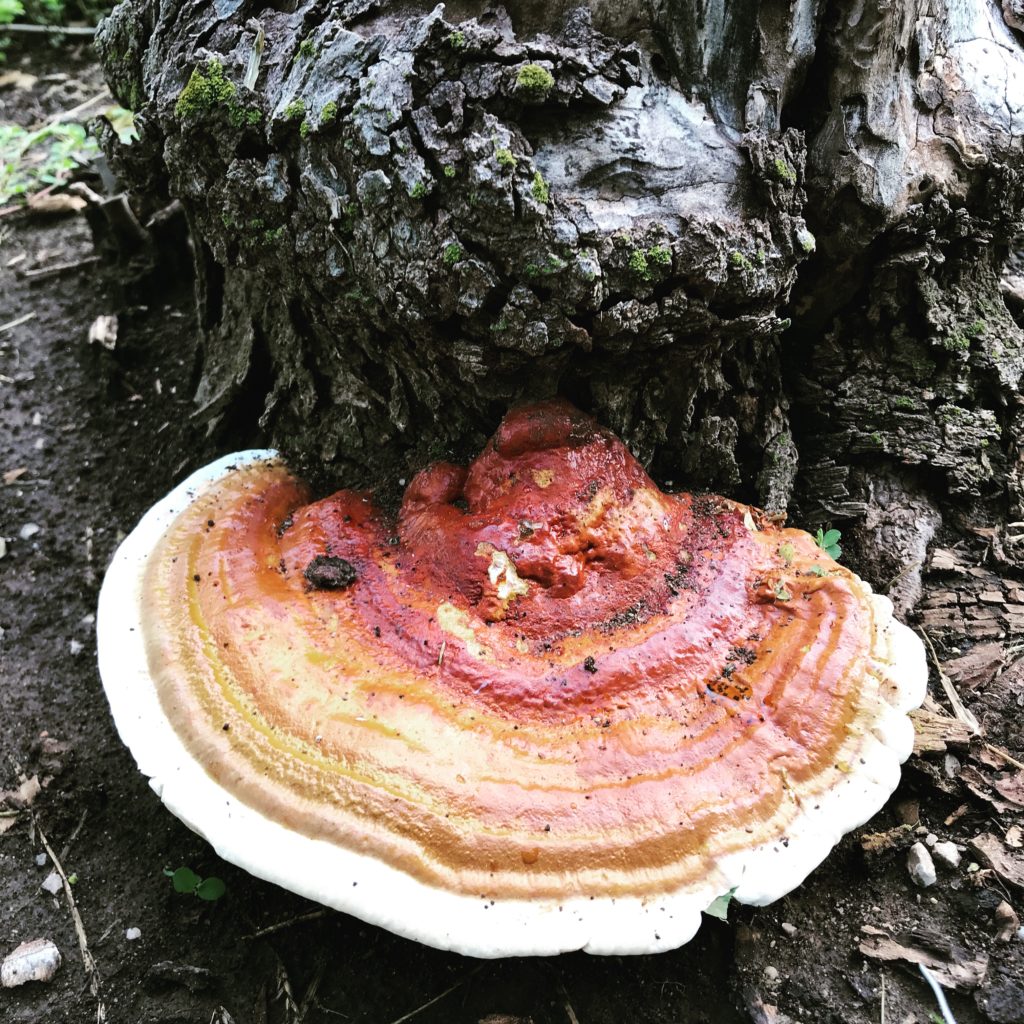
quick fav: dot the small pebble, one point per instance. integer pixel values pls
(41, 860)
(920, 866)
(37, 960)
(972, 867)
(1006, 921)
(76, 647)
(931, 839)
(789, 929)
(132, 934)
(947, 853)
(29, 530)
(52, 883)
(771, 975)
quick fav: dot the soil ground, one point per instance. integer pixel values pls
(99, 436)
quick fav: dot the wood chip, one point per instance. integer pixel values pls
(933, 733)
(1009, 866)
(978, 667)
(103, 331)
(1011, 788)
(944, 560)
(981, 787)
(17, 80)
(27, 791)
(13, 474)
(56, 205)
(952, 966)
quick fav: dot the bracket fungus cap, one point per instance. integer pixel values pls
(546, 707)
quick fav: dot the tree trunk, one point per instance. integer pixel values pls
(751, 238)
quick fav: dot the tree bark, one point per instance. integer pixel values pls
(765, 242)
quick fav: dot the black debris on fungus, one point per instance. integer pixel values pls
(328, 572)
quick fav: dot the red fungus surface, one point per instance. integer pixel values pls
(545, 679)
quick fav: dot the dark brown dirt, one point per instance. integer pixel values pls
(100, 436)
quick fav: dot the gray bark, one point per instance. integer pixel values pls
(747, 236)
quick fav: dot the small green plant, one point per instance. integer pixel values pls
(828, 541)
(457, 40)
(783, 171)
(449, 171)
(661, 255)
(10, 10)
(552, 264)
(307, 48)
(781, 592)
(539, 189)
(243, 117)
(30, 161)
(185, 880)
(818, 570)
(534, 82)
(329, 112)
(452, 254)
(787, 553)
(305, 128)
(505, 158)
(739, 261)
(638, 264)
(295, 111)
(204, 90)
(418, 191)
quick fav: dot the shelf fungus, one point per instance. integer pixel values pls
(542, 707)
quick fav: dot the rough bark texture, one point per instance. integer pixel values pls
(406, 219)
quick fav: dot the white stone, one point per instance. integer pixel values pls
(947, 853)
(921, 866)
(132, 934)
(37, 960)
(931, 839)
(52, 883)
(29, 530)
(789, 929)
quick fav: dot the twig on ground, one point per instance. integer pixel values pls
(310, 997)
(11, 324)
(447, 992)
(77, 31)
(566, 1002)
(270, 929)
(60, 268)
(66, 848)
(83, 943)
(903, 572)
(940, 996)
(999, 752)
(959, 710)
(882, 1018)
(68, 115)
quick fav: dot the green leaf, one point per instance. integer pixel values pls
(833, 551)
(787, 553)
(123, 122)
(719, 906)
(210, 889)
(185, 880)
(10, 10)
(819, 570)
(830, 538)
